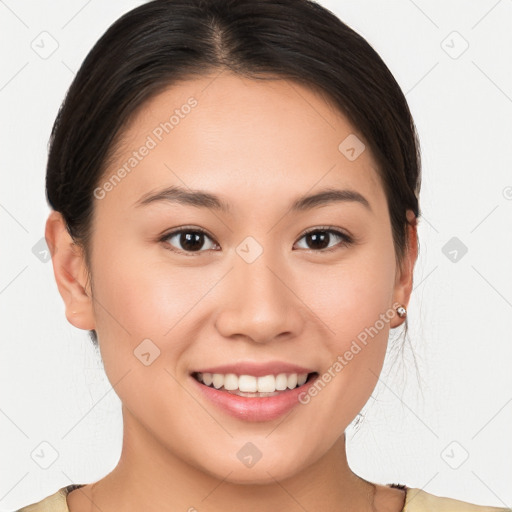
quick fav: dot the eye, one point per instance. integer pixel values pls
(322, 236)
(190, 239)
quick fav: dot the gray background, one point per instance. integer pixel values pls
(448, 429)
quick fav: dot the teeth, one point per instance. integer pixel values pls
(230, 381)
(218, 380)
(252, 384)
(207, 378)
(302, 378)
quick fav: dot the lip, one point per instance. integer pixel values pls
(256, 369)
(255, 409)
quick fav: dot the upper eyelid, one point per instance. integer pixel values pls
(186, 229)
(307, 231)
(325, 228)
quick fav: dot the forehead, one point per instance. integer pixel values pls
(243, 139)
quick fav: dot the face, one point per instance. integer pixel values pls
(243, 284)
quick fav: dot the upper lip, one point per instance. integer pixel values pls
(256, 369)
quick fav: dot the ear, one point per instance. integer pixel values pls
(404, 277)
(70, 273)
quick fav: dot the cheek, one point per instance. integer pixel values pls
(140, 294)
(353, 300)
(351, 296)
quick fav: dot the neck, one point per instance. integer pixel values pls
(150, 478)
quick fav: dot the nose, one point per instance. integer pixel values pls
(259, 302)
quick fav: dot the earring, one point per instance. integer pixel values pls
(402, 312)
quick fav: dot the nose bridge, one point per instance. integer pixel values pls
(261, 305)
(260, 288)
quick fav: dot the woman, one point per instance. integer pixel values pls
(235, 187)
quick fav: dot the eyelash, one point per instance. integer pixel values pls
(346, 240)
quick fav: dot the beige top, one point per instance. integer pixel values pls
(416, 500)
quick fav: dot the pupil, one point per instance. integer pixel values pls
(191, 241)
(319, 235)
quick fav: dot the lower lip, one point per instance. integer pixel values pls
(255, 408)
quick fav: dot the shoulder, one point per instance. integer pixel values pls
(418, 500)
(54, 503)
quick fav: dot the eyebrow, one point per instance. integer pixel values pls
(203, 199)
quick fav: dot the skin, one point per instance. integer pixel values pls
(259, 145)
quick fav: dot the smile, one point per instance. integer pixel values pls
(244, 401)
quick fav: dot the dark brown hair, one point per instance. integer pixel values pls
(162, 42)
